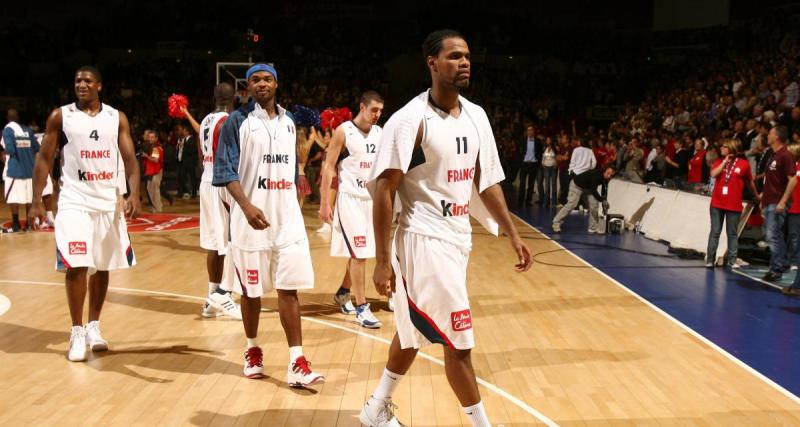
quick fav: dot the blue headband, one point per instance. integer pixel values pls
(261, 67)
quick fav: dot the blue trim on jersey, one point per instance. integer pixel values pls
(226, 160)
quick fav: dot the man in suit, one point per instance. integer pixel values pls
(530, 151)
(187, 157)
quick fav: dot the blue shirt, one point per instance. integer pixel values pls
(21, 146)
(530, 152)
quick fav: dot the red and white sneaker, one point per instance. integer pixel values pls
(254, 363)
(301, 375)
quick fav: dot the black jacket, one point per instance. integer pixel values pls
(538, 149)
(589, 181)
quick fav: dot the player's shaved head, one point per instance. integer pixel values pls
(12, 115)
(224, 94)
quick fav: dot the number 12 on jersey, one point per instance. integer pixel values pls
(461, 145)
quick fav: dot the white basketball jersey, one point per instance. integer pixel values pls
(359, 155)
(436, 190)
(267, 168)
(209, 136)
(92, 163)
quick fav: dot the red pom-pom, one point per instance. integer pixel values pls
(174, 104)
(331, 119)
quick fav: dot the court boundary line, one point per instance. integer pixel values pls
(682, 325)
(491, 387)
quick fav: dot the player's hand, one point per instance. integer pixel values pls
(326, 213)
(36, 212)
(133, 207)
(523, 254)
(255, 217)
(383, 278)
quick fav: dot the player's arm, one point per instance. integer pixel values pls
(10, 139)
(495, 203)
(44, 160)
(328, 171)
(126, 148)
(226, 174)
(192, 121)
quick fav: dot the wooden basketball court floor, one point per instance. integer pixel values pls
(555, 346)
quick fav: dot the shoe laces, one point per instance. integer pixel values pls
(77, 333)
(387, 411)
(301, 365)
(254, 357)
(93, 327)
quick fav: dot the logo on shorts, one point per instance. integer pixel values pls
(461, 320)
(252, 277)
(77, 248)
(360, 241)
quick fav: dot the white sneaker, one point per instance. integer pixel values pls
(762, 244)
(254, 363)
(379, 413)
(345, 304)
(77, 344)
(365, 318)
(325, 229)
(210, 311)
(556, 228)
(94, 340)
(300, 374)
(390, 303)
(226, 304)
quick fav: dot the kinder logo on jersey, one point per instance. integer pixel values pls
(95, 176)
(77, 248)
(252, 277)
(360, 241)
(268, 184)
(361, 183)
(461, 320)
(454, 209)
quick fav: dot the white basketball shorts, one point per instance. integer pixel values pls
(48, 187)
(352, 235)
(214, 218)
(19, 191)
(98, 240)
(258, 272)
(430, 302)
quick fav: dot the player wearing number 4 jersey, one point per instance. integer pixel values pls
(257, 162)
(90, 229)
(439, 154)
(353, 148)
(214, 205)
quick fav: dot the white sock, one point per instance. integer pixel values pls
(212, 287)
(77, 328)
(387, 385)
(295, 352)
(50, 216)
(251, 342)
(477, 415)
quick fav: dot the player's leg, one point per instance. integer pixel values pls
(247, 269)
(251, 310)
(379, 409)
(461, 376)
(75, 282)
(15, 225)
(364, 317)
(98, 287)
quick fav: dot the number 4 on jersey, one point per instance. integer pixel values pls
(94, 135)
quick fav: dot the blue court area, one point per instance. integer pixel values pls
(753, 322)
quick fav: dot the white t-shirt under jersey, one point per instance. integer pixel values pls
(436, 190)
(209, 137)
(359, 155)
(92, 173)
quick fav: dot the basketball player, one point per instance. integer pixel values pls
(353, 147)
(47, 195)
(434, 152)
(21, 146)
(257, 162)
(214, 205)
(90, 229)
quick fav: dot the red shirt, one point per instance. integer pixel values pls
(600, 154)
(153, 168)
(795, 209)
(780, 168)
(696, 167)
(737, 175)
